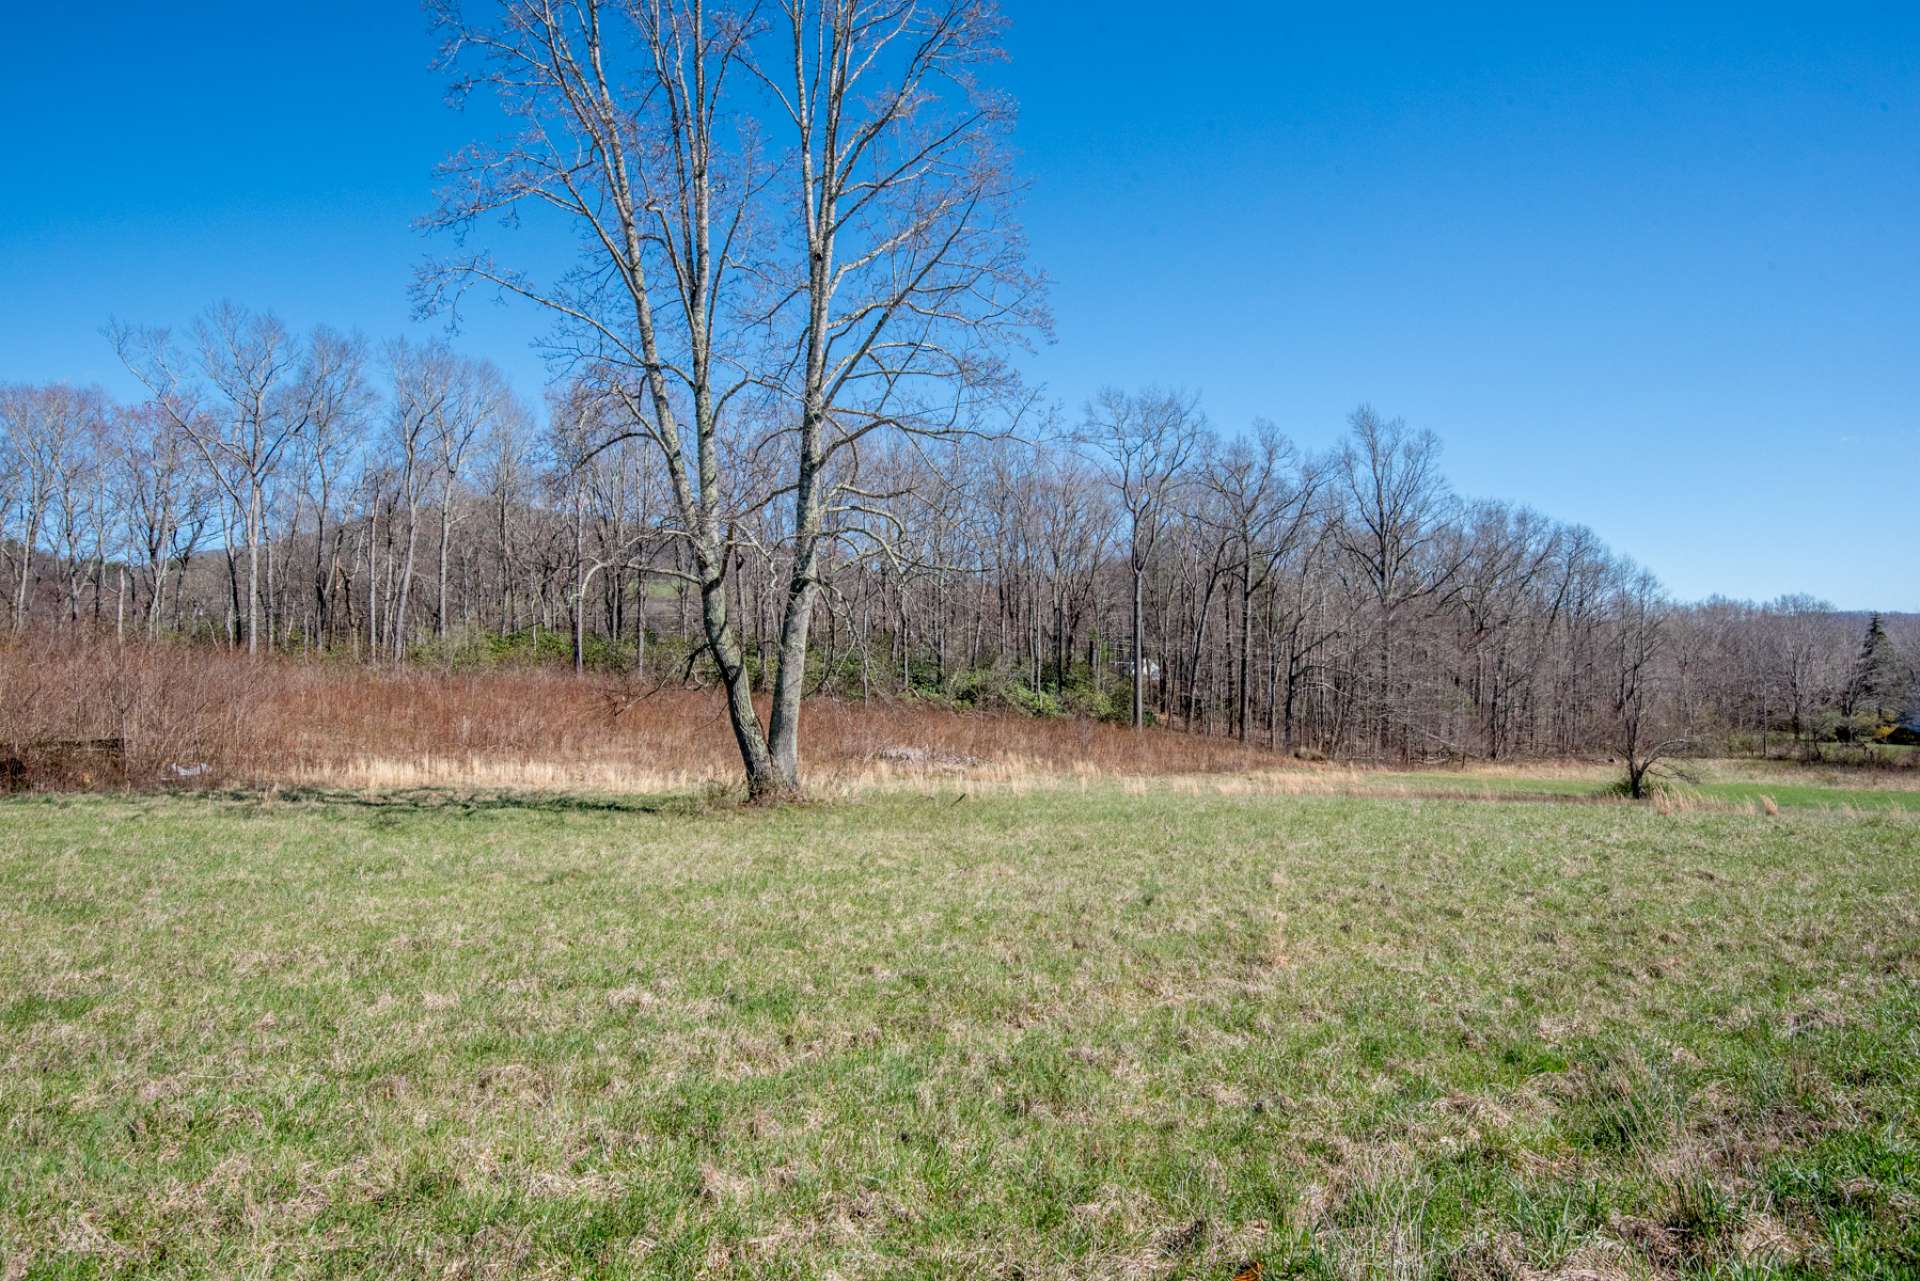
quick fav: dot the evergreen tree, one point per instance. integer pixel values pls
(1873, 690)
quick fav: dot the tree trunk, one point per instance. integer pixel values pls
(255, 518)
(446, 532)
(1139, 643)
(762, 780)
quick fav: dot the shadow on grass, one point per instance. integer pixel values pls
(443, 802)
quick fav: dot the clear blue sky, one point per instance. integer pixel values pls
(1654, 269)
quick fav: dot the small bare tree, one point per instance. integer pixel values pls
(1644, 733)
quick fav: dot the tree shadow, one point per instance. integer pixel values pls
(442, 802)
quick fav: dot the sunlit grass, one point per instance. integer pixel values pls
(1063, 1033)
(1730, 784)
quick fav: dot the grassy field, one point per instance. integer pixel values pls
(1714, 784)
(1079, 1032)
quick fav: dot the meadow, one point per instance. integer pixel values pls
(959, 1029)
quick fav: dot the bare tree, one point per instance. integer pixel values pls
(1646, 738)
(1264, 499)
(166, 500)
(248, 397)
(1802, 654)
(479, 399)
(1075, 527)
(13, 479)
(508, 465)
(342, 406)
(588, 477)
(424, 380)
(1396, 506)
(1149, 437)
(43, 431)
(854, 274)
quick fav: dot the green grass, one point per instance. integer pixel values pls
(1810, 796)
(1471, 783)
(1738, 791)
(1065, 1034)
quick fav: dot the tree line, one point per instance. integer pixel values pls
(314, 495)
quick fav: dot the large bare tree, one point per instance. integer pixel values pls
(793, 231)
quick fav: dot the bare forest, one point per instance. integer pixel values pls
(412, 515)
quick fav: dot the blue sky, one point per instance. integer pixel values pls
(1655, 270)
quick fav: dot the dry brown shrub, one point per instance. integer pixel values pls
(80, 710)
(194, 715)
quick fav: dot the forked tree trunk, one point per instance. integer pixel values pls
(763, 781)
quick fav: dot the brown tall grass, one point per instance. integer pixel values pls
(78, 710)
